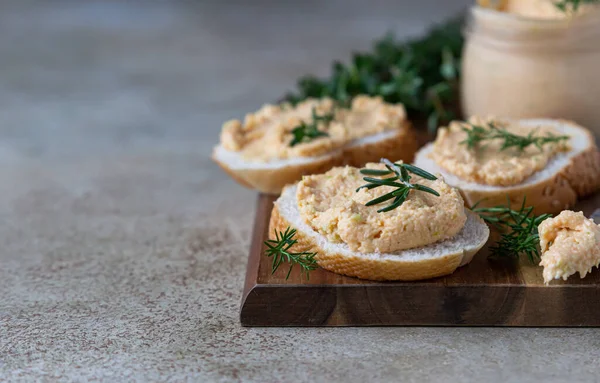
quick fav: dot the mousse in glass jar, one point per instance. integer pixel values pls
(521, 66)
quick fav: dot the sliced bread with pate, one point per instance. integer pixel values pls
(341, 215)
(567, 176)
(430, 261)
(258, 152)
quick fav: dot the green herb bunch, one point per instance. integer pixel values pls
(519, 230)
(279, 249)
(572, 6)
(400, 180)
(306, 132)
(422, 74)
(478, 133)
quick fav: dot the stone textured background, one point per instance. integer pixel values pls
(123, 248)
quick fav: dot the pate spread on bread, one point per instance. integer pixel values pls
(280, 143)
(426, 236)
(551, 179)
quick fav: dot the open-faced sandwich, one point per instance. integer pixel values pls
(279, 144)
(388, 221)
(551, 163)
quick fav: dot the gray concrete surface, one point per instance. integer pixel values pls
(123, 248)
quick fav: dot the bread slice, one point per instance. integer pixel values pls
(431, 261)
(567, 177)
(270, 177)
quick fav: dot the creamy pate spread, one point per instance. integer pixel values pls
(534, 9)
(330, 204)
(570, 244)
(267, 134)
(486, 163)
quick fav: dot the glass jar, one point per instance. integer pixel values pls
(526, 68)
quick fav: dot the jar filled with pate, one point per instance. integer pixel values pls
(528, 59)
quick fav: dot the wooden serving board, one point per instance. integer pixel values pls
(483, 293)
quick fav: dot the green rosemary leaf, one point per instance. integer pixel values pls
(477, 134)
(326, 118)
(368, 187)
(394, 168)
(420, 172)
(279, 250)
(383, 198)
(572, 6)
(391, 168)
(375, 172)
(403, 186)
(306, 132)
(561, 5)
(383, 182)
(391, 207)
(426, 189)
(289, 272)
(519, 230)
(404, 176)
(397, 202)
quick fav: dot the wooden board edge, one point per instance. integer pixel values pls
(457, 306)
(259, 231)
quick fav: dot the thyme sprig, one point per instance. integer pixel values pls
(572, 6)
(400, 180)
(423, 74)
(279, 249)
(306, 132)
(519, 230)
(479, 133)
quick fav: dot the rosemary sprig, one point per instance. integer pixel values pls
(423, 74)
(400, 180)
(519, 230)
(306, 132)
(478, 133)
(279, 249)
(572, 6)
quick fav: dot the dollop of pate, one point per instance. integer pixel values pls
(569, 244)
(486, 163)
(330, 204)
(266, 134)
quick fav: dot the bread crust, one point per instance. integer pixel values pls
(272, 181)
(577, 179)
(400, 146)
(376, 269)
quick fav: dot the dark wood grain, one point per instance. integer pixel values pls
(483, 293)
